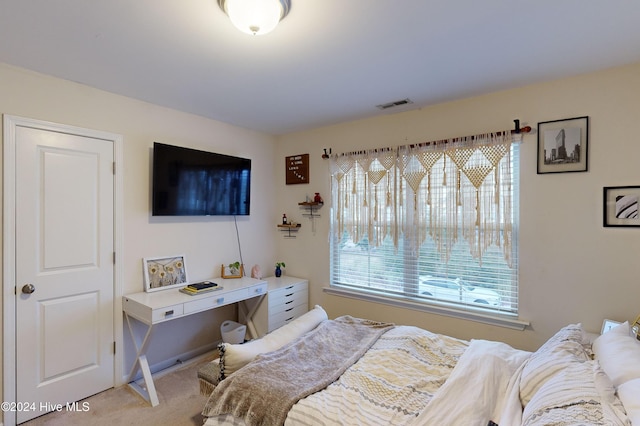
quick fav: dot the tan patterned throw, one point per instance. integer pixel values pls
(263, 392)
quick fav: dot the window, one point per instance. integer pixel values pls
(433, 224)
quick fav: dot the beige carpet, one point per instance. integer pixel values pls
(178, 392)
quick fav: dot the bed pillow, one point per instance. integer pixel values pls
(234, 357)
(579, 394)
(619, 354)
(628, 393)
(564, 348)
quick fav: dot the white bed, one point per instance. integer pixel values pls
(357, 372)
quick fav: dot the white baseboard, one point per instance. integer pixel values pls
(171, 364)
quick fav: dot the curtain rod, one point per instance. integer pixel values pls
(516, 130)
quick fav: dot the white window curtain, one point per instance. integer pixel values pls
(435, 194)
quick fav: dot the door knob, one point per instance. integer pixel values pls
(28, 288)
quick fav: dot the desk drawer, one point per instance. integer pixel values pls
(279, 319)
(214, 300)
(257, 290)
(289, 303)
(167, 312)
(160, 306)
(284, 295)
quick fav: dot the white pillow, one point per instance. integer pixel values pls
(561, 350)
(234, 357)
(628, 393)
(619, 354)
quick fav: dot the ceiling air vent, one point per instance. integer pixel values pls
(394, 104)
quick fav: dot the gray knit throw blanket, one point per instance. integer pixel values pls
(263, 391)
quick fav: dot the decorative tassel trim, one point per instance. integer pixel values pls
(462, 197)
(222, 349)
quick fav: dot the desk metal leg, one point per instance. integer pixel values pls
(149, 394)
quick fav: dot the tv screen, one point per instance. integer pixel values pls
(189, 182)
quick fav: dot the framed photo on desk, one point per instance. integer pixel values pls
(161, 273)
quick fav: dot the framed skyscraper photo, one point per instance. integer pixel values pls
(563, 145)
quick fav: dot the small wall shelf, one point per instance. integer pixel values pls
(312, 215)
(289, 228)
(310, 205)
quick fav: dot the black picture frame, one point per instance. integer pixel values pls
(620, 206)
(563, 145)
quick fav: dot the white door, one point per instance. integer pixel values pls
(64, 256)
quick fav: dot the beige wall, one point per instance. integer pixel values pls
(572, 269)
(207, 242)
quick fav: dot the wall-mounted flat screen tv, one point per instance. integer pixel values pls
(189, 182)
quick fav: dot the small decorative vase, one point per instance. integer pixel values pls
(317, 198)
(278, 271)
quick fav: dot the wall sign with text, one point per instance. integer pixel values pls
(297, 169)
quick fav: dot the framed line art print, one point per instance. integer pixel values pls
(620, 206)
(563, 145)
(161, 273)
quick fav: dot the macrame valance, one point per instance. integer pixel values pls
(451, 190)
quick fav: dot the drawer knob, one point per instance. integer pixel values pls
(288, 295)
(166, 314)
(220, 300)
(290, 301)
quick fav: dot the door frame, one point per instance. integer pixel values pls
(9, 286)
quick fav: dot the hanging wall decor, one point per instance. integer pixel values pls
(620, 206)
(563, 145)
(297, 169)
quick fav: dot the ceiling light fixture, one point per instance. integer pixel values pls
(256, 17)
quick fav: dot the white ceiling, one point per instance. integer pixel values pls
(328, 61)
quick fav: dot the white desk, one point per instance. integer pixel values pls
(165, 305)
